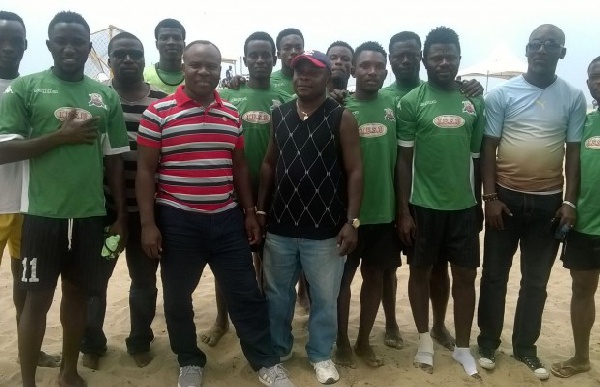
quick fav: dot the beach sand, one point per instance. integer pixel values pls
(227, 367)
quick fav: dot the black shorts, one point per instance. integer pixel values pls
(46, 255)
(581, 251)
(378, 246)
(445, 235)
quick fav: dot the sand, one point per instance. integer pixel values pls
(227, 367)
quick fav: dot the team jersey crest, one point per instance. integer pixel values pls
(468, 108)
(8, 90)
(389, 114)
(275, 104)
(96, 100)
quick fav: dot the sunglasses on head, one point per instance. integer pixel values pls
(132, 54)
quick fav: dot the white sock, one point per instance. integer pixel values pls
(425, 352)
(464, 357)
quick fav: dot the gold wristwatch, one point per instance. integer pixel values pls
(354, 223)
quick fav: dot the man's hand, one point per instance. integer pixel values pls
(119, 227)
(151, 241)
(471, 88)
(567, 215)
(347, 239)
(235, 82)
(73, 131)
(339, 95)
(494, 211)
(406, 229)
(253, 229)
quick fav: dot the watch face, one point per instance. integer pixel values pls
(355, 223)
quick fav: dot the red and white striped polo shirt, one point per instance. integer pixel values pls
(195, 170)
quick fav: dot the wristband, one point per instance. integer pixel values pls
(263, 213)
(249, 209)
(490, 197)
(568, 203)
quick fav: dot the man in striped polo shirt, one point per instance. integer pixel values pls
(193, 140)
(126, 60)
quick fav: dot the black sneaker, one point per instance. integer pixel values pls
(534, 364)
(487, 358)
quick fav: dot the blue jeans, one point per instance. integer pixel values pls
(190, 241)
(142, 296)
(323, 268)
(529, 226)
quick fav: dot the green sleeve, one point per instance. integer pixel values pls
(116, 141)
(14, 112)
(407, 120)
(478, 127)
(284, 96)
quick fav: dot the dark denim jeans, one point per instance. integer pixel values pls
(529, 227)
(142, 296)
(190, 241)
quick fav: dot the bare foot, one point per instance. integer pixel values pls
(46, 360)
(366, 353)
(91, 361)
(213, 335)
(423, 366)
(393, 338)
(443, 337)
(71, 381)
(344, 357)
(142, 359)
(570, 367)
(477, 377)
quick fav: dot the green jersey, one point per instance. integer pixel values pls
(397, 91)
(255, 106)
(588, 204)
(279, 81)
(66, 181)
(166, 81)
(445, 128)
(378, 132)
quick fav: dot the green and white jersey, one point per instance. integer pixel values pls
(255, 106)
(157, 78)
(395, 90)
(279, 81)
(377, 120)
(66, 181)
(588, 203)
(445, 128)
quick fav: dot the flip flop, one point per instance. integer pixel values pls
(565, 370)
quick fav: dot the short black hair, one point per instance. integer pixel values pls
(169, 23)
(369, 46)
(441, 35)
(123, 35)
(68, 17)
(283, 33)
(594, 61)
(404, 36)
(259, 35)
(11, 16)
(208, 42)
(340, 43)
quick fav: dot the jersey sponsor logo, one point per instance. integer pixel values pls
(422, 104)
(257, 117)
(355, 112)
(96, 100)
(9, 90)
(448, 122)
(238, 99)
(80, 114)
(45, 91)
(389, 114)
(593, 142)
(372, 130)
(468, 108)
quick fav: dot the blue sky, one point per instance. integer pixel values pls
(482, 25)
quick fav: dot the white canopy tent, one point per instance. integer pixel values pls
(501, 63)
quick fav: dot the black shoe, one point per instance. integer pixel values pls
(534, 364)
(487, 358)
